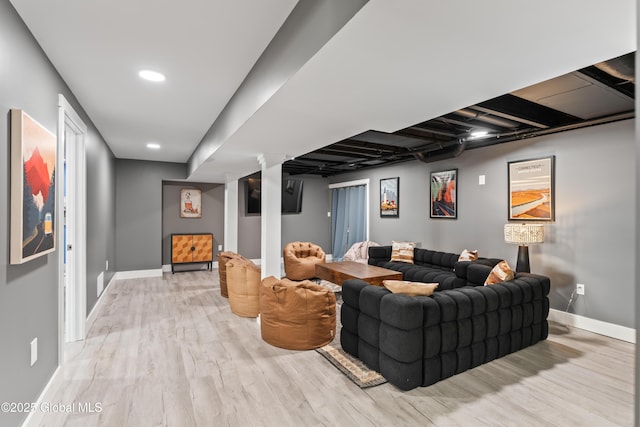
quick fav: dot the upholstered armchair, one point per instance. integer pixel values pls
(296, 315)
(300, 259)
(243, 285)
(223, 258)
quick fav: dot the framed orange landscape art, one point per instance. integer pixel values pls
(33, 188)
(532, 189)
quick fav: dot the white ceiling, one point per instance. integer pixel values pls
(205, 49)
(391, 66)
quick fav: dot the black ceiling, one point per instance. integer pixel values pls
(598, 94)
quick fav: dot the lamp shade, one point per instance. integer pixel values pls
(523, 234)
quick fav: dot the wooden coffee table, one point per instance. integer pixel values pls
(338, 272)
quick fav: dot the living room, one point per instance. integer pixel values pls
(593, 240)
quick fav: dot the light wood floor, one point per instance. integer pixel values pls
(169, 352)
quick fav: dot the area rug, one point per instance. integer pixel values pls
(353, 368)
(336, 289)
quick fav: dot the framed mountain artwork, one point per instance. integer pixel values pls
(33, 188)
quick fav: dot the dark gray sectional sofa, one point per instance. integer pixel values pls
(417, 341)
(429, 266)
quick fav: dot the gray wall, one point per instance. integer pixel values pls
(592, 240)
(212, 220)
(29, 292)
(139, 211)
(101, 218)
(311, 225)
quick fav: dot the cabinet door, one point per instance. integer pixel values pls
(203, 248)
(181, 248)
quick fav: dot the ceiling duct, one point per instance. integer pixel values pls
(485, 117)
(622, 67)
(445, 153)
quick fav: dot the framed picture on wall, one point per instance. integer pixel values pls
(190, 203)
(33, 188)
(390, 197)
(444, 200)
(532, 189)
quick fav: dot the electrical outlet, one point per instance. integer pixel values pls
(106, 265)
(580, 289)
(219, 247)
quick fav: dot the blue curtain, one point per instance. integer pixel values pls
(348, 218)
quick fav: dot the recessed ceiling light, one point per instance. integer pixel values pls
(153, 146)
(152, 76)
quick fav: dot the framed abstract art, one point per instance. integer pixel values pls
(444, 200)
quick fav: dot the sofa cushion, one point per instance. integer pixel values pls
(435, 259)
(410, 288)
(468, 255)
(402, 251)
(500, 273)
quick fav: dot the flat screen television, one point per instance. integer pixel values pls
(291, 196)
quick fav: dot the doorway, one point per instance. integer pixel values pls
(72, 298)
(349, 215)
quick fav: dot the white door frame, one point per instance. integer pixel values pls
(73, 303)
(355, 183)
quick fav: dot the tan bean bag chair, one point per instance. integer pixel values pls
(223, 257)
(296, 315)
(243, 285)
(300, 259)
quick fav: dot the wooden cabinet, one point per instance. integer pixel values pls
(192, 248)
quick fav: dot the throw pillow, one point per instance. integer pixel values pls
(468, 255)
(410, 288)
(402, 251)
(500, 273)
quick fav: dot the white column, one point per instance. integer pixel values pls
(231, 214)
(271, 247)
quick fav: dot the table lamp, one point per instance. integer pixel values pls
(523, 235)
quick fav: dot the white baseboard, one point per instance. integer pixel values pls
(166, 268)
(138, 274)
(94, 311)
(592, 325)
(35, 417)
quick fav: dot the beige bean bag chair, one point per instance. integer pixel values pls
(296, 315)
(223, 257)
(300, 259)
(243, 285)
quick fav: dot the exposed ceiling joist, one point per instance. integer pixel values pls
(522, 114)
(509, 116)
